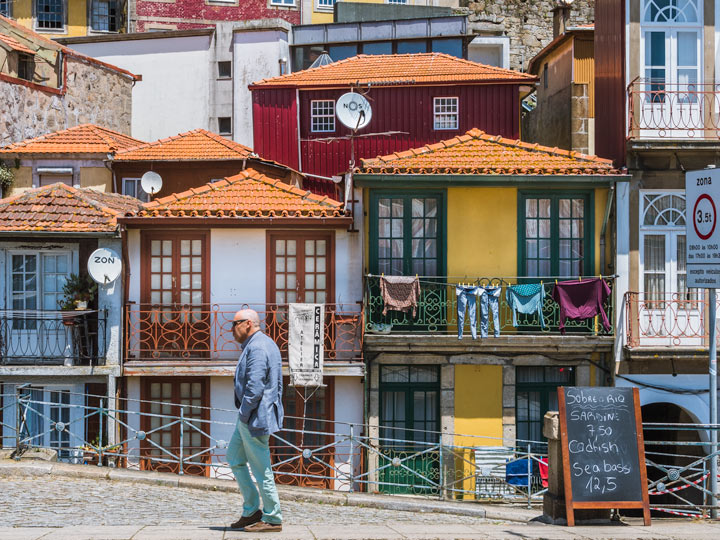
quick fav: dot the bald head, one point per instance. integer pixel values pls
(248, 315)
(245, 323)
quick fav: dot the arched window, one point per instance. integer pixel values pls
(670, 11)
(663, 210)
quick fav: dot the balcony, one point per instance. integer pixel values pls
(665, 110)
(666, 320)
(204, 333)
(437, 310)
(33, 338)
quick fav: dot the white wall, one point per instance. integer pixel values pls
(173, 96)
(256, 56)
(110, 297)
(348, 410)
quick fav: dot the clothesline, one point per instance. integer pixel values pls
(538, 279)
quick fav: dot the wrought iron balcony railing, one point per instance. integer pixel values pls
(204, 332)
(52, 337)
(437, 309)
(666, 319)
(668, 110)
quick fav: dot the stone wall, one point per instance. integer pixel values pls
(94, 95)
(528, 23)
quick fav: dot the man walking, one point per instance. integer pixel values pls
(258, 397)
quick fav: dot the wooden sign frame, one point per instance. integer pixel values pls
(570, 505)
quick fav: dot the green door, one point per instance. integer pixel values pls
(410, 425)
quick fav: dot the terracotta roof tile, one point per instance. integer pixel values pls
(198, 144)
(14, 44)
(477, 153)
(61, 208)
(247, 194)
(395, 69)
(82, 139)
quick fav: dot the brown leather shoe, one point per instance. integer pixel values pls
(263, 526)
(247, 520)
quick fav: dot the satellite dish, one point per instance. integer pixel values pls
(353, 110)
(104, 265)
(151, 182)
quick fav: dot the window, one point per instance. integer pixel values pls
(45, 409)
(325, 5)
(445, 113)
(26, 66)
(302, 267)
(50, 14)
(341, 52)
(322, 116)
(453, 47)
(286, 3)
(224, 70)
(104, 16)
(133, 188)
(37, 279)
(397, 1)
(545, 76)
(412, 47)
(5, 6)
(555, 236)
(225, 125)
(379, 47)
(536, 394)
(406, 232)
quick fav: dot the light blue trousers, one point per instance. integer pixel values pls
(245, 449)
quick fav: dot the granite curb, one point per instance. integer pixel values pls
(386, 502)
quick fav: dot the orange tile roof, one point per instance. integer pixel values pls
(61, 208)
(195, 145)
(247, 194)
(14, 44)
(396, 69)
(477, 153)
(82, 139)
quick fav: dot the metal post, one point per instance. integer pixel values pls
(100, 435)
(352, 460)
(713, 405)
(443, 495)
(18, 421)
(182, 433)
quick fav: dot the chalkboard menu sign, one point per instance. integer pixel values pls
(602, 449)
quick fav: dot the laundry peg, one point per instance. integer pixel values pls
(556, 282)
(579, 278)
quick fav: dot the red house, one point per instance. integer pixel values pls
(427, 97)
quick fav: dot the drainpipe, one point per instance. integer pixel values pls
(107, 162)
(603, 232)
(297, 127)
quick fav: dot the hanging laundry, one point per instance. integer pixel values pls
(543, 468)
(580, 300)
(528, 299)
(400, 293)
(490, 301)
(466, 300)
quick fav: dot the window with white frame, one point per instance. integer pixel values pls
(445, 110)
(662, 246)
(325, 4)
(133, 188)
(50, 14)
(397, 1)
(286, 3)
(104, 16)
(672, 40)
(322, 115)
(43, 409)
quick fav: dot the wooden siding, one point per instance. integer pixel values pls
(584, 69)
(492, 108)
(275, 133)
(610, 80)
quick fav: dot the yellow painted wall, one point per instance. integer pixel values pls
(22, 180)
(600, 202)
(482, 231)
(77, 19)
(98, 178)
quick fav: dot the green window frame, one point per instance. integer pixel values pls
(555, 229)
(535, 394)
(422, 213)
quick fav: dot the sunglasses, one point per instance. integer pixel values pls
(239, 321)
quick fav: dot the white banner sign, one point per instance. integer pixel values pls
(306, 339)
(702, 202)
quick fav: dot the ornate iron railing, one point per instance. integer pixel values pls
(666, 319)
(437, 309)
(669, 110)
(204, 332)
(52, 337)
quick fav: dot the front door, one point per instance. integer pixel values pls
(174, 315)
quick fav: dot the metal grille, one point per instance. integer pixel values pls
(446, 112)
(50, 14)
(322, 114)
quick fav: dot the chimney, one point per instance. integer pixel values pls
(561, 17)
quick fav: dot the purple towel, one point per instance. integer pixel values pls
(581, 300)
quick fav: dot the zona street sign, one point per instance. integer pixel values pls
(702, 201)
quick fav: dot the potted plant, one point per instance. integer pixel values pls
(79, 290)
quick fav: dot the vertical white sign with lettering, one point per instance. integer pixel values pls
(306, 344)
(702, 200)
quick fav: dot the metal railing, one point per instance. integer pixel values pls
(436, 311)
(52, 337)
(669, 110)
(204, 332)
(666, 319)
(340, 456)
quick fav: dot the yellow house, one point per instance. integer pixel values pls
(67, 18)
(481, 221)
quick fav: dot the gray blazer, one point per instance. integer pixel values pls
(258, 385)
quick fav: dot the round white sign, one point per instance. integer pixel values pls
(104, 265)
(353, 110)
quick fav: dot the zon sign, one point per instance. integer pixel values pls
(702, 202)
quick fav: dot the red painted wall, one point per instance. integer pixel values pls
(493, 108)
(189, 14)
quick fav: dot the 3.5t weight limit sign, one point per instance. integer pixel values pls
(702, 196)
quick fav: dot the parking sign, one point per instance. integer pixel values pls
(702, 202)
